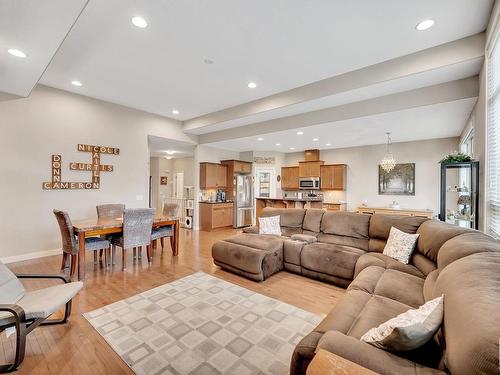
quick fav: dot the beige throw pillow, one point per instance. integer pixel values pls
(409, 330)
(270, 225)
(400, 245)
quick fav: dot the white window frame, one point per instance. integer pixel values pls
(489, 202)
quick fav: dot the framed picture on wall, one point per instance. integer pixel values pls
(399, 181)
(163, 180)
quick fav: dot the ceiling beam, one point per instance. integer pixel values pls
(451, 53)
(442, 93)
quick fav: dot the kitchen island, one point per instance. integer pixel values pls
(260, 203)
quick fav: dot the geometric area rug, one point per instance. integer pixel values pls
(202, 325)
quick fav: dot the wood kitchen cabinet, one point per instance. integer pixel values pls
(289, 178)
(310, 168)
(213, 176)
(215, 215)
(333, 177)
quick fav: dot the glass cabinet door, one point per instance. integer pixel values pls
(459, 194)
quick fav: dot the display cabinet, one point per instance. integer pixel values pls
(460, 194)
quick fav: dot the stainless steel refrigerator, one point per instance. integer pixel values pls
(243, 200)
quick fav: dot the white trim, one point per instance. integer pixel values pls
(28, 256)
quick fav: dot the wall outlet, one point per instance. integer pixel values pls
(139, 197)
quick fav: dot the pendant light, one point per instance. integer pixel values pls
(388, 163)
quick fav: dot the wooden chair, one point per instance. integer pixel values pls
(169, 209)
(137, 226)
(70, 245)
(109, 211)
(25, 310)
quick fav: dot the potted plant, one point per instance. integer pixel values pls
(456, 157)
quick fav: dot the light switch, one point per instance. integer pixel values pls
(139, 198)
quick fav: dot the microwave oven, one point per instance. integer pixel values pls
(309, 183)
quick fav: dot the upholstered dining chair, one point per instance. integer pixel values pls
(25, 310)
(70, 242)
(169, 209)
(109, 211)
(137, 226)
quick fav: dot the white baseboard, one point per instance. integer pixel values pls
(28, 256)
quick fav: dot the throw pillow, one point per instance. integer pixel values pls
(400, 245)
(270, 225)
(409, 330)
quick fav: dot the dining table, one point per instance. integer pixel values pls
(101, 226)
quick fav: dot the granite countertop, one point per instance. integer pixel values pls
(213, 202)
(293, 199)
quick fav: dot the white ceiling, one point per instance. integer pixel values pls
(36, 28)
(159, 146)
(279, 44)
(435, 121)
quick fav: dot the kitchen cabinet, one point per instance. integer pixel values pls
(333, 177)
(213, 176)
(290, 178)
(310, 168)
(332, 206)
(215, 215)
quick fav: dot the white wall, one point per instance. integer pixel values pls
(50, 122)
(362, 171)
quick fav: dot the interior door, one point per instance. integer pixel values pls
(265, 183)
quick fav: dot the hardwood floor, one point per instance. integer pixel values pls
(76, 348)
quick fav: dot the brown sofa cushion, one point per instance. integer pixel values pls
(371, 357)
(289, 217)
(380, 225)
(465, 244)
(433, 234)
(336, 260)
(471, 288)
(304, 238)
(312, 220)
(360, 243)
(345, 224)
(424, 264)
(392, 284)
(381, 260)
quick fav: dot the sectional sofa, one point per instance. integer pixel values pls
(346, 249)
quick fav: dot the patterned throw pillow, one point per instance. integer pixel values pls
(270, 225)
(409, 330)
(400, 245)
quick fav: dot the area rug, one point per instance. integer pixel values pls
(203, 325)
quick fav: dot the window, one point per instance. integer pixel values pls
(493, 141)
(467, 146)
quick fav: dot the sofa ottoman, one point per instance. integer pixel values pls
(253, 256)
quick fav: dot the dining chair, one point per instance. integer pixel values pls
(70, 244)
(109, 211)
(25, 310)
(169, 209)
(137, 227)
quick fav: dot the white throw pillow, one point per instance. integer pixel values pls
(400, 245)
(270, 225)
(409, 330)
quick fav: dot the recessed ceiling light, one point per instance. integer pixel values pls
(300, 133)
(278, 144)
(328, 144)
(424, 25)
(315, 139)
(139, 22)
(16, 52)
(168, 157)
(77, 83)
(260, 139)
(252, 85)
(208, 61)
(170, 152)
(175, 111)
(292, 148)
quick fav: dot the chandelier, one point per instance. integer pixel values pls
(388, 163)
